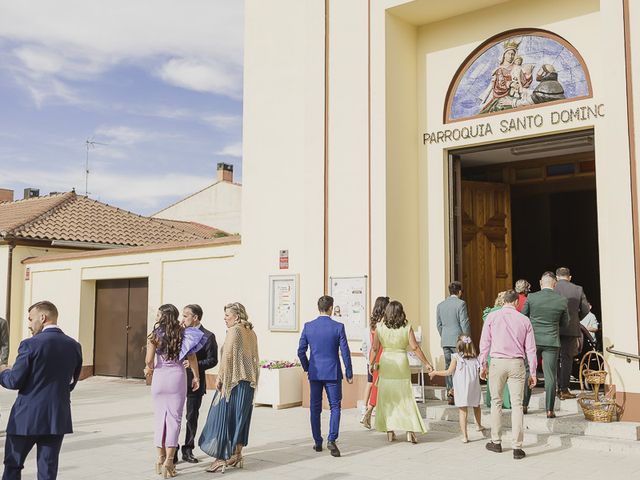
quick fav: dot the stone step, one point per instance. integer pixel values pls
(435, 393)
(537, 401)
(563, 440)
(537, 421)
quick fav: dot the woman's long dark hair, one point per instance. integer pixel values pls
(378, 311)
(167, 332)
(394, 316)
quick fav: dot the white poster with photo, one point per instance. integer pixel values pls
(350, 304)
(283, 303)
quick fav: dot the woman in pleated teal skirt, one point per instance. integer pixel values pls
(226, 432)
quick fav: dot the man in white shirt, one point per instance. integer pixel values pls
(590, 322)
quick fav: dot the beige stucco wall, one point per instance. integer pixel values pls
(4, 279)
(402, 167)
(205, 275)
(17, 325)
(217, 206)
(283, 132)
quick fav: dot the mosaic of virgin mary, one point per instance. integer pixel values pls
(517, 72)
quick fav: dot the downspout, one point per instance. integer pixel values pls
(12, 245)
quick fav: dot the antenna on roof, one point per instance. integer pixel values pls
(90, 143)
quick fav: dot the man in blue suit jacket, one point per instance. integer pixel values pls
(324, 337)
(45, 372)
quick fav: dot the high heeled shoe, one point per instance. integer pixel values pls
(217, 466)
(168, 470)
(366, 420)
(236, 461)
(391, 436)
(411, 437)
(159, 465)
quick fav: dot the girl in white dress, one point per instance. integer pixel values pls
(465, 369)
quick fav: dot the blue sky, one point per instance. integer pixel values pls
(158, 81)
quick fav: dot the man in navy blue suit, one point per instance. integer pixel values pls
(324, 336)
(45, 372)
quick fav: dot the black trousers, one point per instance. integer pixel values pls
(17, 447)
(568, 351)
(193, 411)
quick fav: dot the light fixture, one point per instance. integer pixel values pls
(553, 145)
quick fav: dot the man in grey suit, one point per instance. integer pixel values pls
(453, 321)
(570, 335)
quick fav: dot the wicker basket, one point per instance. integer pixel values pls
(596, 407)
(595, 377)
(604, 411)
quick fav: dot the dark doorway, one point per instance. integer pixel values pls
(121, 326)
(549, 220)
(557, 228)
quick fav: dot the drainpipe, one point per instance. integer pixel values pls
(12, 245)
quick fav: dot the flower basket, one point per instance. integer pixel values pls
(595, 407)
(279, 384)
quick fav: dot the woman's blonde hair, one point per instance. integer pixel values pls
(241, 312)
(522, 286)
(465, 347)
(500, 300)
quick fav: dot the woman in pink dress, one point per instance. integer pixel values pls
(168, 345)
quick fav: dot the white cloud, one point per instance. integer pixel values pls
(222, 121)
(73, 39)
(123, 135)
(137, 193)
(50, 90)
(233, 150)
(202, 77)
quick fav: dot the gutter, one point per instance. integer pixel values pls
(12, 245)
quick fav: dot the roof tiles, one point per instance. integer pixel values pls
(72, 217)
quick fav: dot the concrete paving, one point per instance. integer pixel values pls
(113, 439)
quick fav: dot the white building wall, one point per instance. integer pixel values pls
(217, 206)
(204, 275)
(282, 205)
(4, 279)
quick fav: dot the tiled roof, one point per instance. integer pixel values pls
(194, 227)
(71, 217)
(14, 214)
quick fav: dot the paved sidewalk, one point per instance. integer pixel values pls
(113, 440)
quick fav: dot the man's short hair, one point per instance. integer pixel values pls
(455, 287)
(510, 296)
(195, 309)
(563, 272)
(325, 302)
(46, 307)
(550, 275)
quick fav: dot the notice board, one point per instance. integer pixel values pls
(350, 304)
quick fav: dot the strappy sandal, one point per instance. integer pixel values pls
(217, 466)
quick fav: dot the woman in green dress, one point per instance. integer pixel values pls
(396, 408)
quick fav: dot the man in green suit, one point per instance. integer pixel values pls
(548, 313)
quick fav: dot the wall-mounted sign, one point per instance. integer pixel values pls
(521, 123)
(284, 259)
(514, 70)
(350, 304)
(283, 303)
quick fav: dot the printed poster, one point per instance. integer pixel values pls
(350, 304)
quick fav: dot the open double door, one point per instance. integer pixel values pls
(481, 242)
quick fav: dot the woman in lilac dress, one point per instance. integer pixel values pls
(168, 345)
